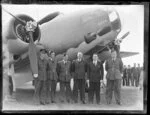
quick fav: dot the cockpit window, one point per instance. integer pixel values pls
(113, 16)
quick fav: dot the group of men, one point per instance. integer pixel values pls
(131, 75)
(82, 72)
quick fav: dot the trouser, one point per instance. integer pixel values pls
(48, 90)
(40, 94)
(65, 91)
(79, 84)
(53, 84)
(136, 81)
(5, 86)
(10, 85)
(132, 80)
(94, 88)
(113, 85)
(124, 81)
(127, 81)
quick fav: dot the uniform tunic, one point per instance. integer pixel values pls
(52, 78)
(64, 72)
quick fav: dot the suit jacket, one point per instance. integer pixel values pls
(79, 69)
(125, 72)
(95, 73)
(135, 72)
(51, 71)
(114, 69)
(42, 67)
(64, 71)
(129, 72)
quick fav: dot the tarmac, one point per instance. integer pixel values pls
(131, 98)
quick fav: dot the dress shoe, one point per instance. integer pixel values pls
(119, 103)
(42, 103)
(75, 101)
(98, 103)
(108, 103)
(68, 101)
(83, 102)
(47, 102)
(53, 101)
(90, 102)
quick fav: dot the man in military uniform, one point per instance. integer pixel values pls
(40, 80)
(64, 73)
(114, 68)
(79, 69)
(124, 76)
(52, 75)
(135, 75)
(95, 75)
(128, 75)
(139, 71)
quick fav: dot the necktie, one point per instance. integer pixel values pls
(113, 60)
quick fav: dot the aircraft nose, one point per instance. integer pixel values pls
(115, 20)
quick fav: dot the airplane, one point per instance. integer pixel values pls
(92, 30)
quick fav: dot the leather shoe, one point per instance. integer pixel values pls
(42, 103)
(83, 102)
(108, 103)
(53, 101)
(119, 103)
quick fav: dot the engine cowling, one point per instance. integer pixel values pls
(17, 37)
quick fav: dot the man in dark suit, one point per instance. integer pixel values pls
(79, 69)
(64, 73)
(52, 76)
(124, 76)
(40, 80)
(114, 68)
(95, 74)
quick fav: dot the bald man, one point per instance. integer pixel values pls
(79, 69)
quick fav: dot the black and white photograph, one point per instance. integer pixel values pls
(72, 57)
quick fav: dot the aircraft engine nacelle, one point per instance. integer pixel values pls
(89, 37)
(92, 36)
(17, 36)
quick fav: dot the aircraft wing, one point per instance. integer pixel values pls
(105, 54)
(124, 54)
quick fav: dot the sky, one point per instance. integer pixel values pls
(131, 16)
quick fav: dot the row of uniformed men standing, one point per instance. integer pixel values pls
(131, 75)
(50, 72)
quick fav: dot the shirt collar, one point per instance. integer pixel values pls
(79, 59)
(64, 61)
(113, 59)
(95, 61)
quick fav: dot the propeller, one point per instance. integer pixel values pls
(30, 27)
(116, 43)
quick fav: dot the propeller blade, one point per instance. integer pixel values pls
(48, 18)
(18, 19)
(125, 35)
(33, 55)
